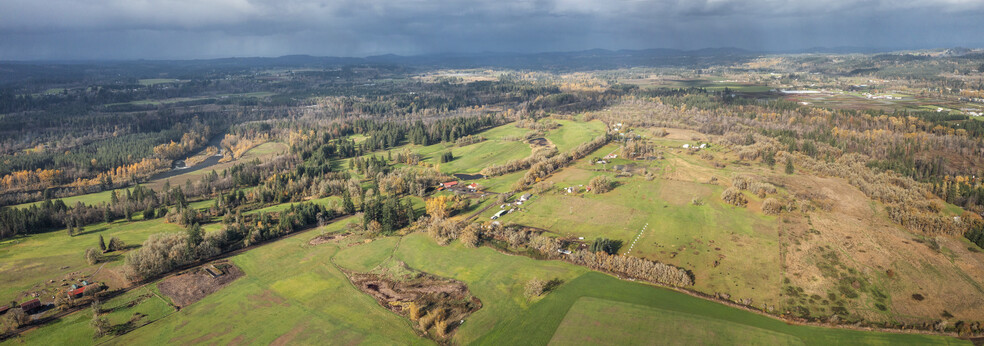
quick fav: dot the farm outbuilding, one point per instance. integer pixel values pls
(214, 272)
(525, 197)
(449, 184)
(76, 293)
(498, 214)
(31, 305)
(3, 309)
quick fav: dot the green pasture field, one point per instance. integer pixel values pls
(712, 240)
(75, 329)
(32, 260)
(596, 306)
(293, 293)
(570, 134)
(501, 144)
(325, 201)
(155, 81)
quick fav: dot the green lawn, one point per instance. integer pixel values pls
(570, 134)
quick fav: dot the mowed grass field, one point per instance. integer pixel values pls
(596, 308)
(598, 321)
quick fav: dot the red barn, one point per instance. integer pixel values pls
(76, 293)
(449, 184)
(31, 305)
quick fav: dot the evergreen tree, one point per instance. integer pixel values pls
(195, 235)
(102, 243)
(347, 204)
(789, 166)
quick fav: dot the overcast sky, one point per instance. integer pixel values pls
(181, 29)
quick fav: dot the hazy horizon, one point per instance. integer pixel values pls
(182, 29)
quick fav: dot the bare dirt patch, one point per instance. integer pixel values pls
(197, 283)
(328, 238)
(437, 305)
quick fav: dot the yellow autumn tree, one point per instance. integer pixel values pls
(438, 206)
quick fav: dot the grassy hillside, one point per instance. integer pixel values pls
(293, 293)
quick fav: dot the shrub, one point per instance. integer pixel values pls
(771, 206)
(15, 318)
(413, 311)
(762, 189)
(535, 287)
(92, 256)
(609, 246)
(115, 244)
(159, 254)
(447, 157)
(696, 200)
(601, 184)
(734, 197)
(441, 327)
(740, 182)
(470, 236)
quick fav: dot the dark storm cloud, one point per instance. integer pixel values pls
(122, 29)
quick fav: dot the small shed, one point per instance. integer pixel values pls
(3, 309)
(525, 197)
(31, 305)
(498, 214)
(214, 272)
